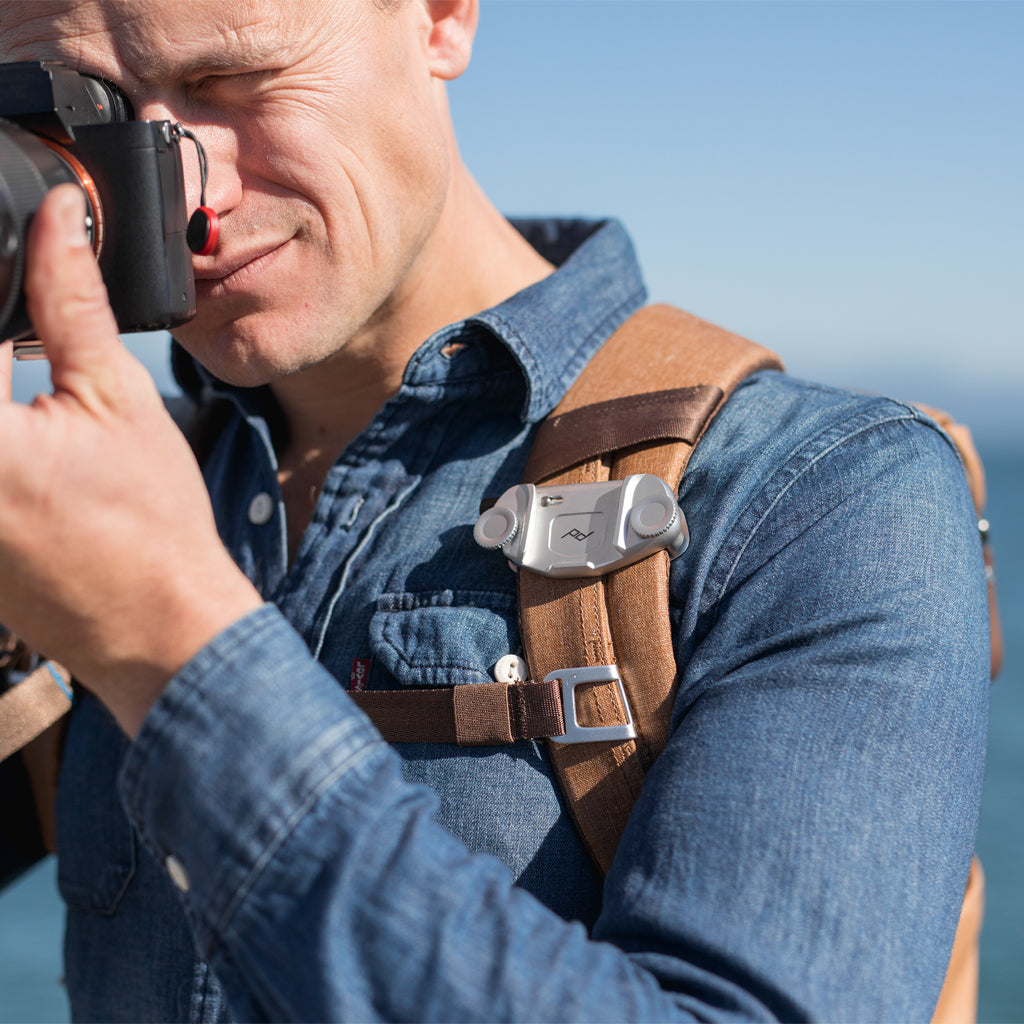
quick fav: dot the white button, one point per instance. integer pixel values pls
(511, 669)
(261, 508)
(179, 876)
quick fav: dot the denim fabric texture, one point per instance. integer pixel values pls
(800, 850)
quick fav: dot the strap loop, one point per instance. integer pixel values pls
(477, 714)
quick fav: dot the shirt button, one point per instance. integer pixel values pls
(179, 876)
(261, 508)
(511, 669)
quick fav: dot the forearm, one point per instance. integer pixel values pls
(322, 888)
(321, 885)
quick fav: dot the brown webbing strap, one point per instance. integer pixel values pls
(624, 616)
(484, 714)
(30, 707)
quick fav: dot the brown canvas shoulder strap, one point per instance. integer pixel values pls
(623, 618)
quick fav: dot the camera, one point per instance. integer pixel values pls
(56, 126)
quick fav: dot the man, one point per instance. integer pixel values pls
(235, 839)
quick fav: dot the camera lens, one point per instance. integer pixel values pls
(29, 168)
(8, 251)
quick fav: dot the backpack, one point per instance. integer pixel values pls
(618, 419)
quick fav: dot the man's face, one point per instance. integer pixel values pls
(327, 149)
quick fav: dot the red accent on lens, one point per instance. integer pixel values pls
(93, 193)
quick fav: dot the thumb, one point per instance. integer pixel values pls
(67, 299)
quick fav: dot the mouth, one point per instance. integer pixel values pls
(236, 271)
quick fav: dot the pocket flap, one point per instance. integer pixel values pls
(444, 638)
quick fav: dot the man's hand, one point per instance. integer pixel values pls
(109, 558)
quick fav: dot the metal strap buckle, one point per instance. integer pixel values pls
(570, 678)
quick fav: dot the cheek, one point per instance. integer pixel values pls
(401, 186)
(293, 169)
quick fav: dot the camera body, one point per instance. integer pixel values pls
(57, 125)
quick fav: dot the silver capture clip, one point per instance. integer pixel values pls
(584, 529)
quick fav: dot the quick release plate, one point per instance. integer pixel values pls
(584, 529)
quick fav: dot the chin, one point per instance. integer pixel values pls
(248, 352)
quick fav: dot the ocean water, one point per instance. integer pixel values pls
(30, 923)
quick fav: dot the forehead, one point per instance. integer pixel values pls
(152, 38)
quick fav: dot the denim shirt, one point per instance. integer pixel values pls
(798, 852)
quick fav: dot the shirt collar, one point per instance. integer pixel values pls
(554, 327)
(551, 328)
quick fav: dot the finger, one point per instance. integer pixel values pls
(67, 299)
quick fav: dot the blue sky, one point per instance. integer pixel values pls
(838, 180)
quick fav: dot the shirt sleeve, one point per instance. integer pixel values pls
(816, 808)
(798, 852)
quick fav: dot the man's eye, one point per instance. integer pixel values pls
(230, 79)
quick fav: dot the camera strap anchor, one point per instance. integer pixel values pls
(203, 229)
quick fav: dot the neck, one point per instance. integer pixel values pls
(473, 260)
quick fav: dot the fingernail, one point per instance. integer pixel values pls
(71, 216)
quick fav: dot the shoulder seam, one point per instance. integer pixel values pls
(801, 461)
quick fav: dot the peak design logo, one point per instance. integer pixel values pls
(577, 535)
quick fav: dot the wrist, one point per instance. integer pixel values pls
(182, 624)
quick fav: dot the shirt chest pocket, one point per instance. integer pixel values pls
(443, 638)
(501, 800)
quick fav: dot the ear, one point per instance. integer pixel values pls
(450, 39)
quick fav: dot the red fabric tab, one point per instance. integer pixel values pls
(359, 675)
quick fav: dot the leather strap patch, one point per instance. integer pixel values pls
(580, 435)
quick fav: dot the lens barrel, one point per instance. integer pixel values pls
(28, 170)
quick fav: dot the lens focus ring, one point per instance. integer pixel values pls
(28, 170)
